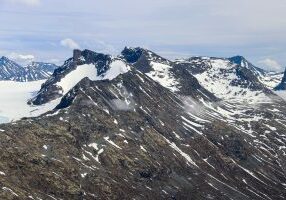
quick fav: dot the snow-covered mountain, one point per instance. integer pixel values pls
(92, 65)
(39, 71)
(10, 70)
(224, 78)
(269, 79)
(139, 126)
(232, 78)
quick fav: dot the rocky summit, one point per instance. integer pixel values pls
(140, 126)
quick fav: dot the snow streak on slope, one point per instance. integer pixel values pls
(271, 79)
(162, 75)
(14, 97)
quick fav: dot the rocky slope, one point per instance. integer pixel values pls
(11, 71)
(154, 129)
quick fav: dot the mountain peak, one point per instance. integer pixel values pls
(240, 60)
(89, 57)
(3, 58)
(132, 54)
(238, 57)
(135, 49)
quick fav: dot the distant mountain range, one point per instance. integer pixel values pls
(10, 70)
(140, 126)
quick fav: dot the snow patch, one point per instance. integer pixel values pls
(112, 143)
(14, 97)
(117, 67)
(161, 74)
(93, 145)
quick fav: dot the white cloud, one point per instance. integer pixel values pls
(21, 58)
(270, 64)
(25, 2)
(70, 43)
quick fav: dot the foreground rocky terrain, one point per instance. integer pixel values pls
(140, 126)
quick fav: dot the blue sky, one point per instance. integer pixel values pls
(47, 30)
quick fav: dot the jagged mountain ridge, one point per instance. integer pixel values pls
(10, 70)
(133, 136)
(175, 75)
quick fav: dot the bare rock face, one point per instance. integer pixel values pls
(282, 84)
(76, 55)
(141, 136)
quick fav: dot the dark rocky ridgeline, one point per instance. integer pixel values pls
(10, 70)
(282, 85)
(131, 138)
